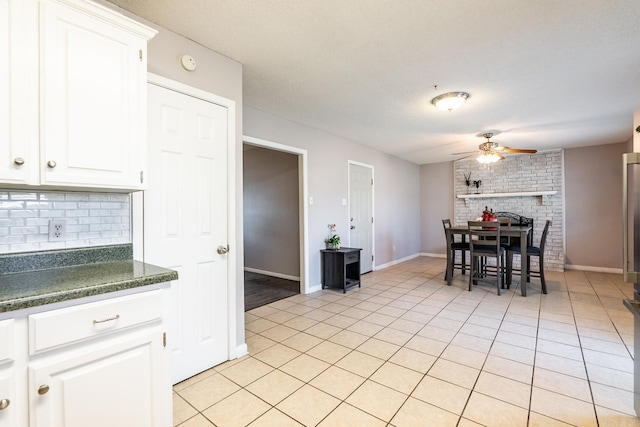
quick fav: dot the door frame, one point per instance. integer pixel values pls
(137, 203)
(373, 206)
(302, 199)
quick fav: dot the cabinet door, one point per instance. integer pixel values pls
(93, 96)
(121, 383)
(18, 92)
(9, 407)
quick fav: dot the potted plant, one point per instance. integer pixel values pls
(333, 240)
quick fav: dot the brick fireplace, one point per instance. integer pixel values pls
(530, 173)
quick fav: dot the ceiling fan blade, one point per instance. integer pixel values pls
(500, 156)
(521, 151)
(516, 150)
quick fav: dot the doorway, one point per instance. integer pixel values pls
(361, 212)
(275, 221)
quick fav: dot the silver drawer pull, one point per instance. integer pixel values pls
(116, 317)
(4, 404)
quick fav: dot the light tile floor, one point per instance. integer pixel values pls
(407, 350)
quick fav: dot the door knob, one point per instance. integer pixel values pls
(4, 404)
(43, 389)
(18, 161)
(223, 249)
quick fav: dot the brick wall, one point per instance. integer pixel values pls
(519, 173)
(91, 219)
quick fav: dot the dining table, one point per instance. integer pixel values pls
(506, 230)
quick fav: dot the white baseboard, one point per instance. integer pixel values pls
(241, 350)
(314, 288)
(433, 255)
(397, 261)
(596, 269)
(272, 274)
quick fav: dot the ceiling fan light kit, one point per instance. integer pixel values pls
(489, 158)
(450, 101)
(491, 152)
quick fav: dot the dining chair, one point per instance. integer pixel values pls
(531, 251)
(484, 242)
(453, 247)
(515, 219)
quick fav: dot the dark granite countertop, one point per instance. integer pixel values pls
(20, 290)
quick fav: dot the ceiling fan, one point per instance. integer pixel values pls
(491, 152)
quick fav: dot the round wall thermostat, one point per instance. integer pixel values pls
(187, 62)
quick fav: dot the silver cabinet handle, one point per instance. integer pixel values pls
(4, 404)
(222, 249)
(43, 389)
(51, 164)
(18, 161)
(108, 319)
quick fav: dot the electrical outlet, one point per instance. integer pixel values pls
(57, 230)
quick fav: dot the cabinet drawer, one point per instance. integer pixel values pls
(351, 257)
(7, 338)
(68, 325)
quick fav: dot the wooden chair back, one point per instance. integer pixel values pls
(484, 237)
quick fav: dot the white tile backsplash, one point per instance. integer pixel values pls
(92, 219)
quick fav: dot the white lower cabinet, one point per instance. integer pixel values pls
(114, 384)
(107, 366)
(8, 407)
(8, 394)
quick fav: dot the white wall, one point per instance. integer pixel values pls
(396, 197)
(594, 205)
(271, 205)
(436, 193)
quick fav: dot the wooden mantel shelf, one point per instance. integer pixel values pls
(518, 194)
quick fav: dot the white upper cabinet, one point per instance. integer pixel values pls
(18, 94)
(90, 110)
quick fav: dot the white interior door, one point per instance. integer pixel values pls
(361, 213)
(185, 221)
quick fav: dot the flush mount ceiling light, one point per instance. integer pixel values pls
(450, 101)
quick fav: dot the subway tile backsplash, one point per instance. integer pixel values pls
(91, 219)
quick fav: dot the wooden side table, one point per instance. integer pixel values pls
(340, 268)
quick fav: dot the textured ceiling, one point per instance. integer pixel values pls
(542, 74)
